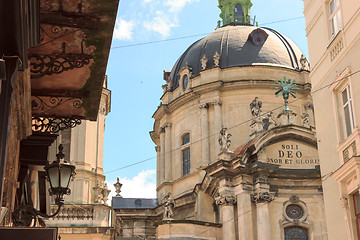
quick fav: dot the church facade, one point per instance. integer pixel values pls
(236, 152)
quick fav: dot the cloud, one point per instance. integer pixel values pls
(147, 1)
(177, 5)
(123, 29)
(142, 185)
(161, 24)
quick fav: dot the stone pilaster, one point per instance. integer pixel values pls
(226, 205)
(158, 166)
(262, 200)
(205, 146)
(168, 153)
(218, 125)
(162, 156)
(245, 224)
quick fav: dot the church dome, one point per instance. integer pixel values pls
(237, 46)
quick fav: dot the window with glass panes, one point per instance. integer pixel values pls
(296, 233)
(186, 153)
(356, 198)
(348, 110)
(335, 16)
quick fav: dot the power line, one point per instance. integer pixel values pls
(191, 36)
(241, 123)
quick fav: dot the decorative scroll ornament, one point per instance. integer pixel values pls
(216, 59)
(225, 200)
(53, 125)
(203, 61)
(45, 103)
(54, 33)
(262, 197)
(169, 206)
(42, 65)
(286, 88)
(255, 107)
(224, 140)
(118, 186)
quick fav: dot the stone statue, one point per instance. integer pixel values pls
(255, 107)
(118, 186)
(272, 123)
(305, 65)
(224, 140)
(168, 207)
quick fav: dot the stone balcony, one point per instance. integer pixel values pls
(80, 215)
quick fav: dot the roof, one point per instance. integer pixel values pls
(237, 46)
(134, 203)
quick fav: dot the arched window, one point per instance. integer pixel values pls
(296, 233)
(185, 148)
(238, 14)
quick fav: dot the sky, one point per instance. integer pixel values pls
(149, 36)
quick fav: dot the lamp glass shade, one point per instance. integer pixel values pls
(54, 176)
(66, 172)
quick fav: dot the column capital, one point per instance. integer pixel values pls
(309, 106)
(261, 197)
(204, 106)
(167, 125)
(225, 199)
(157, 148)
(217, 103)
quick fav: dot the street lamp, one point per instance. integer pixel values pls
(59, 173)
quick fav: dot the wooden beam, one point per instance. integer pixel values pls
(77, 20)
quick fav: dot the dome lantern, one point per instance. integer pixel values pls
(234, 12)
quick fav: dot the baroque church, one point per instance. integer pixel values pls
(236, 142)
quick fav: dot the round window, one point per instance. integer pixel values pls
(294, 211)
(185, 82)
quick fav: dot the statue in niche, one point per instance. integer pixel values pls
(168, 207)
(118, 186)
(255, 107)
(224, 140)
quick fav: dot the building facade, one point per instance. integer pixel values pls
(233, 160)
(85, 214)
(333, 34)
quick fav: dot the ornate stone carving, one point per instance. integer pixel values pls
(167, 125)
(271, 122)
(262, 197)
(225, 200)
(309, 106)
(217, 102)
(216, 58)
(165, 88)
(344, 202)
(169, 206)
(118, 186)
(157, 148)
(203, 61)
(305, 120)
(305, 65)
(204, 105)
(98, 193)
(105, 193)
(294, 199)
(224, 140)
(255, 107)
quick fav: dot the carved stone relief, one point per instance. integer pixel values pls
(262, 196)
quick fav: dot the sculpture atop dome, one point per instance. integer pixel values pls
(234, 12)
